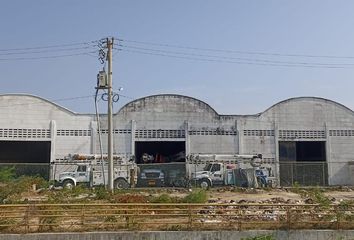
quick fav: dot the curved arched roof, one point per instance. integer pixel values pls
(169, 95)
(39, 98)
(319, 99)
(207, 106)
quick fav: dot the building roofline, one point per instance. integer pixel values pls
(42, 99)
(309, 98)
(170, 95)
(187, 97)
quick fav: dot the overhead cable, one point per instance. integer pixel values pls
(236, 51)
(235, 62)
(47, 57)
(48, 46)
(123, 46)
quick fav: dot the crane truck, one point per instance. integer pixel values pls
(92, 171)
(228, 169)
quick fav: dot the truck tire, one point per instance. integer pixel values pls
(204, 183)
(121, 183)
(262, 183)
(68, 184)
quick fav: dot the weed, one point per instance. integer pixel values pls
(18, 186)
(319, 197)
(296, 187)
(163, 198)
(7, 174)
(102, 193)
(129, 198)
(196, 196)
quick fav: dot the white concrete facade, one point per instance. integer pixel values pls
(181, 118)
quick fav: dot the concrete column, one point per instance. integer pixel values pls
(187, 146)
(93, 128)
(240, 136)
(328, 154)
(187, 138)
(236, 139)
(276, 144)
(133, 128)
(53, 135)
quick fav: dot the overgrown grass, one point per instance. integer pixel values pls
(78, 194)
(7, 174)
(9, 193)
(164, 198)
(316, 194)
(196, 196)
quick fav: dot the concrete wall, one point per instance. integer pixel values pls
(190, 235)
(181, 118)
(30, 118)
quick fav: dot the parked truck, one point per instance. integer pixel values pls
(91, 171)
(228, 169)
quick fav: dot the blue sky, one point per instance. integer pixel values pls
(303, 27)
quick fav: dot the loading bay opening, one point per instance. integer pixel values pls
(160, 152)
(303, 162)
(28, 157)
(161, 163)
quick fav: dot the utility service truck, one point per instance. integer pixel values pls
(229, 169)
(90, 170)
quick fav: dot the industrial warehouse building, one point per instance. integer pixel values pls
(307, 140)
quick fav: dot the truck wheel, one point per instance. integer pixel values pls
(261, 182)
(121, 184)
(68, 184)
(204, 183)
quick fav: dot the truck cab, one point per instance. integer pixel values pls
(212, 174)
(80, 174)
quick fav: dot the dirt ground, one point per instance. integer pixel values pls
(276, 195)
(227, 195)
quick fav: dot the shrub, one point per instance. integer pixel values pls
(196, 196)
(7, 174)
(163, 198)
(102, 193)
(20, 185)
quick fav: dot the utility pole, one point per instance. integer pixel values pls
(110, 115)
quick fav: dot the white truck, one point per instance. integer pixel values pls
(228, 169)
(91, 171)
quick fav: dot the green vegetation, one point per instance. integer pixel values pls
(10, 193)
(7, 174)
(163, 198)
(316, 194)
(196, 196)
(101, 193)
(319, 197)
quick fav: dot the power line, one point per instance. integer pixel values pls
(48, 46)
(237, 51)
(47, 57)
(235, 58)
(234, 62)
(46, 51)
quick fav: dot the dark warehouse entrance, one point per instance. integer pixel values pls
(28, 157)
(160, 152)
(303, 162)
(161, 163)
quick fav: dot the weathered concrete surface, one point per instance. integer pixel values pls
(185, 235)
(153, 118)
